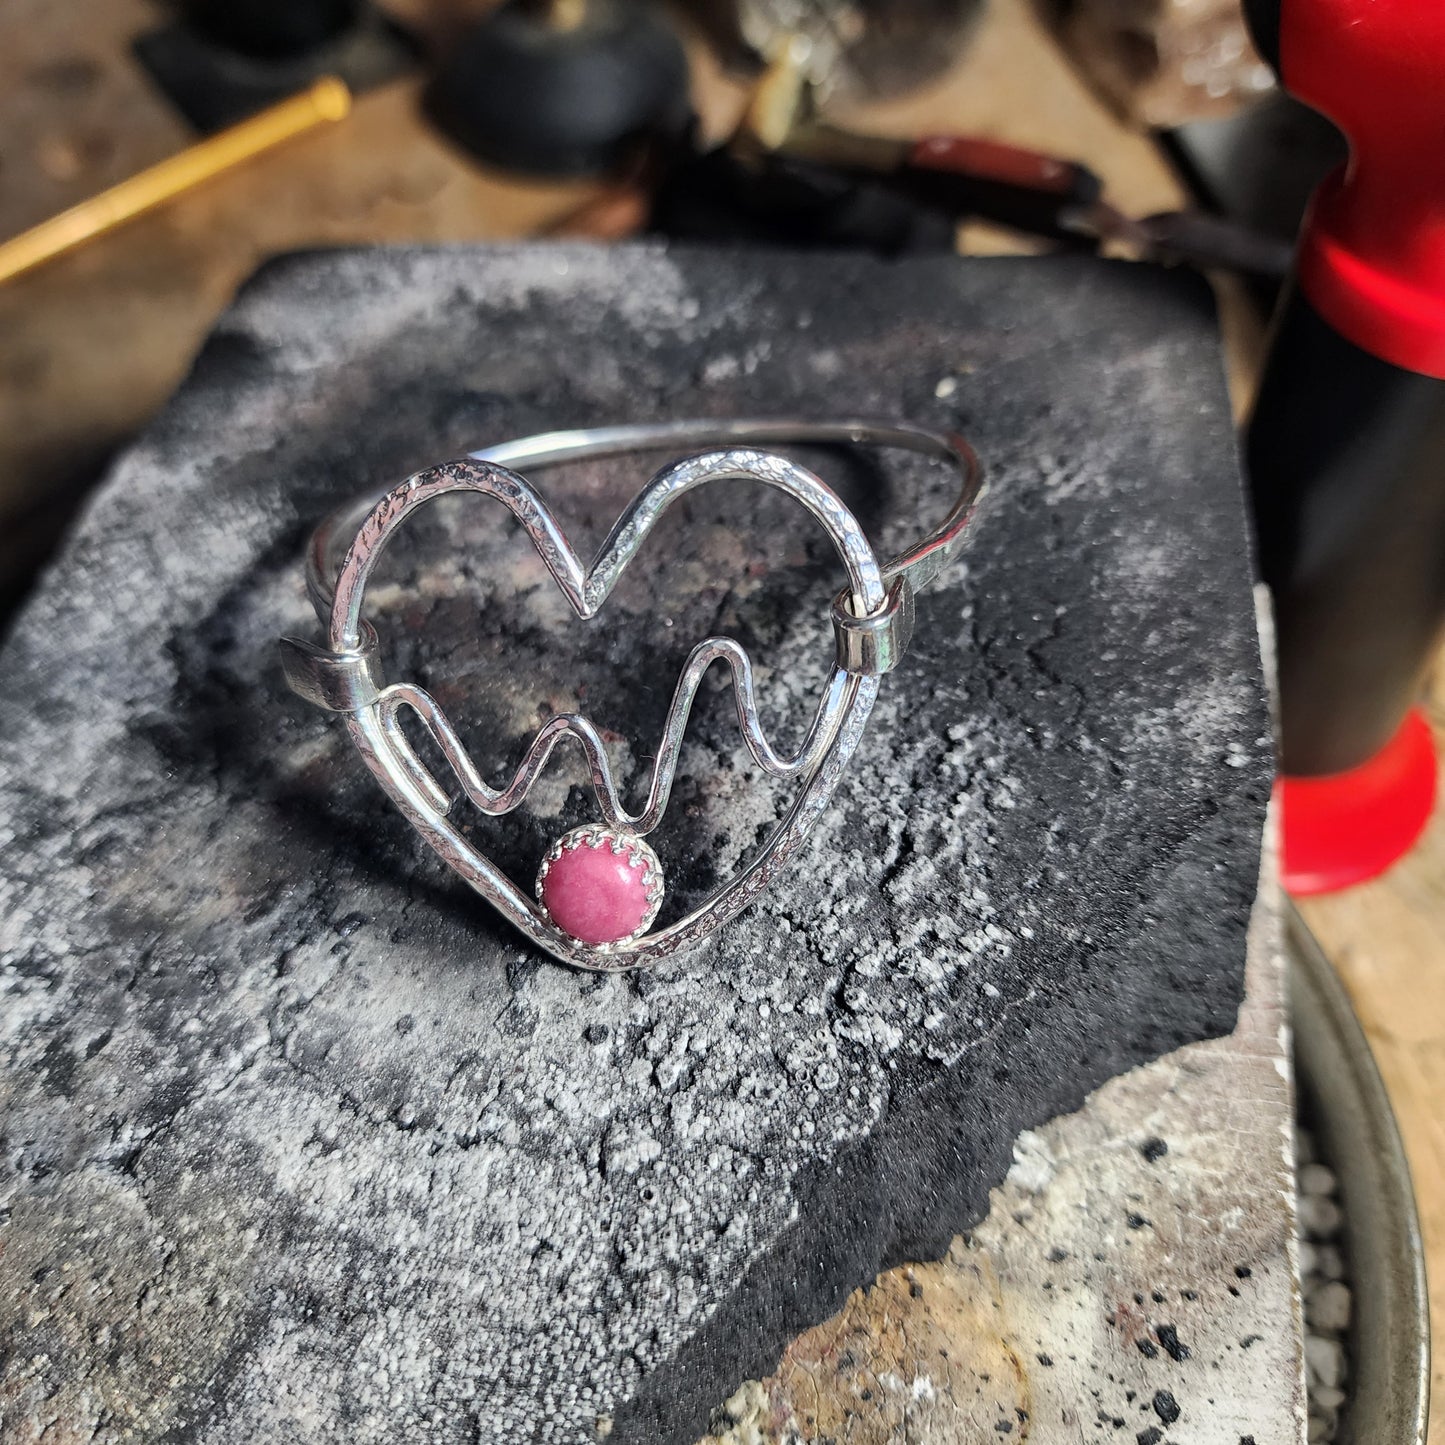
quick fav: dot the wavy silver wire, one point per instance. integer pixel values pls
(587, 590)
(497, 801)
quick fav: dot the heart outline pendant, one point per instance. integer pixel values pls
(869, 620)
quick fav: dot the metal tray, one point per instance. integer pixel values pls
(1343, 1100)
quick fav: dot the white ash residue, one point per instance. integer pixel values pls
(1325, 1281)
(640, 283)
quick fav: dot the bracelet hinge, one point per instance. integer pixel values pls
(873, 644)
(337, 681)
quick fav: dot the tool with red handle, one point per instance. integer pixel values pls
(1346, 447)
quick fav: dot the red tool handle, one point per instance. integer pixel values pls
(1009, 165)
(1372, 253)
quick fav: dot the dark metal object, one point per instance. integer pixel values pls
(271, 29)
(564, 91)
(220, 63)
(1345, 456)
(1348, 1108)
(828, 187)
(781, 200)
(1200, 239)
(1259, 166)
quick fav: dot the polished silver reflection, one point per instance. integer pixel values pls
(872, 617)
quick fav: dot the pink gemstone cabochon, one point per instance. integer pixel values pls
(594, 894)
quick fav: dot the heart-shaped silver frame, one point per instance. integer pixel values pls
(872, 620)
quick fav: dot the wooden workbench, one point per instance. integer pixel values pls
(92, 345)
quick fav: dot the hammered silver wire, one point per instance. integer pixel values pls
(498, 801)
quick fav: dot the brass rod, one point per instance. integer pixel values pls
(327, 100)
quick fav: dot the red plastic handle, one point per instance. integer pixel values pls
(1372, 254)
(1009, 165)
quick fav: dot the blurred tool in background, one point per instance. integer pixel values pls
(588, 87)
(564, 87)
(326, 100)
(574, 88)
(788, 177)
(847, 50)
(220, 61)
(1346, 448)
(1165, 63)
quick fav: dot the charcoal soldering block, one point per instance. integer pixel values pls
(301, 1142)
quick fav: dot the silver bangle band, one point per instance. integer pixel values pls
(600, 887)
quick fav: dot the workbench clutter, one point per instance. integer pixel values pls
(356, 1111)
(671, 842)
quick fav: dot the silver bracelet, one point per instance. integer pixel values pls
(599, 887)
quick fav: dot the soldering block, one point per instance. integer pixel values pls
(301, 1142)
